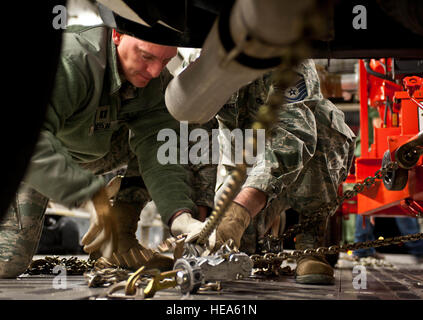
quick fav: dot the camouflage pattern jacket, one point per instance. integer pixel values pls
(311, 147)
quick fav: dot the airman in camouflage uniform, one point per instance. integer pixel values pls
(97, 121)
(308, 155)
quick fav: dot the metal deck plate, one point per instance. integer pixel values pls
(401, 280)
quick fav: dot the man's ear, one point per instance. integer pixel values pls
(116, 36)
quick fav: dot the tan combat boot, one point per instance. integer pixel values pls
(130, 253)
(312, 269)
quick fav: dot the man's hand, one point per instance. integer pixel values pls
(246, 205)
(101, 235)
(232, 226)
(184, 223)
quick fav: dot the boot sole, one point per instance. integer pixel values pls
(315, 279)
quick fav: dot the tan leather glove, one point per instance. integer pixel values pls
(102, 234)
(111, 236)
(233, 225)
(129, 252)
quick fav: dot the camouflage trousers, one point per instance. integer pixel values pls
(20, 230)
(272, 221)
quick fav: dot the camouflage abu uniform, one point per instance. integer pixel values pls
(95, 122)
(203, 175)
(308, 156)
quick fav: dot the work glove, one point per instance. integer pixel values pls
(101, 235)
(130, 253)
(186, 224)
(232, 226)
(119, 247)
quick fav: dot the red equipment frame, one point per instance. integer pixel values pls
(400, 125)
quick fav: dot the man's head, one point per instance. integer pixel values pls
(140, 61)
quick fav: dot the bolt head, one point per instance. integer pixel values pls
(181, 277)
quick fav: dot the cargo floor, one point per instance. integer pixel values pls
(400, 277)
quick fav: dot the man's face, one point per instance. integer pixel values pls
(140, 61)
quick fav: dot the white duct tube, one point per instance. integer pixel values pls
(198, 93)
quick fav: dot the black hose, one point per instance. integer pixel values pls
(374, 73)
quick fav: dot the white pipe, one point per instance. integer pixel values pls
(198, 93)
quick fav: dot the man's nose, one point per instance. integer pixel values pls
(155, 68)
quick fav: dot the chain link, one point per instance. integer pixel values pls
(272, 260)
(72, 265)
(329, 209)
(267, 264)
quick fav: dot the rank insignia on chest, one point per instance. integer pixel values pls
(297, 92)
(102, 119)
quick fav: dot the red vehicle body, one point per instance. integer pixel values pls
(399, 102)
